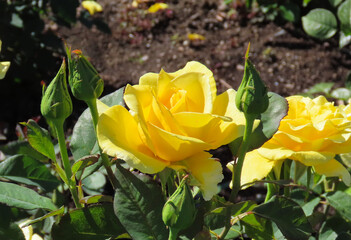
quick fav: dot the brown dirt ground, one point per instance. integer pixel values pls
(133, 43)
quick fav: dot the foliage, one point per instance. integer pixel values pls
(39, 176)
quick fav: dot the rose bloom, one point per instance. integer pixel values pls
(313, 132)
(173, 120)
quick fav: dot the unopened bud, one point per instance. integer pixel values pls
(179, 211)
(56, 103)
(84, 80)
(251, 97)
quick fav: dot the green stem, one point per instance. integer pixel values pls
(237, 170)
(172, 234)
(286, 176)
(105, 160)
(65, 161)
(271, 188)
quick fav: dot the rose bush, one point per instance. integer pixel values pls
(313, 132)
(173, 120)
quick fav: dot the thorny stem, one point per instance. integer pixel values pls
(58, 125)
(105, 160)
(237, 170)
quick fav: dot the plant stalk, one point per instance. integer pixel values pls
(65, 161)
(105, 160)
(237, 170)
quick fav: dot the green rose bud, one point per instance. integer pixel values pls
(56, 103)
(179, 211)
(251, 97)
(84, 80)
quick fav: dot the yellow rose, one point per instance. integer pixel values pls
(92, 7)
(4, 66)
(313, 132)
(173, 120)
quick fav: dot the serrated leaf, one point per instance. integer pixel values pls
(320, 23)
(287, 215)
(40, 139)
(17, 196)
(97, 222)
(138, 204)
(24, 169)
(344, 15)
(83, 141)
(342, 203)
(84, 162)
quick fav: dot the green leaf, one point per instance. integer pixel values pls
(83, 163)
(335, 3)
(40, 139)
(306, 2)
(97, 222)
(17, 196)
(138, 205)
(287, 215)
(94, 183)
(308, 205)
(344, 39)
(11, 232)
(344, 15)
(324, 88)
(290, 11)
(256, 227)
(83, 141)
(332, 227)
(320, 23)
(24, 169)
(270, 120)
(59, 211)
(96, 199)
(21, 147)
(342, 203)
(65, 9)
(341, 93)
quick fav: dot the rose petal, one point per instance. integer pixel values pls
(173, 147)
(118, 136)
(206, 171)
(333, 168)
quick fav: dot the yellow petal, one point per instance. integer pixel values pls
(173, 147)
(149, 79)
(206, 171)
(198, 88)
(195, 37)
(333, 168)
(256, 167)
(102, 107)
(308, 158)
(4, 66)
(92, 7)
(208, 128)
(118, 136)
(157, 7)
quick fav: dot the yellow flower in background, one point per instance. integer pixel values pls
(173, 119)
(195, 37)
(157, 7)
(92, 7)
(313, 132)
(4, 66)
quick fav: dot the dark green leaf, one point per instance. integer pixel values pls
(335, 3)
(83, 141)
(287, 215)
(65, 9)
(307, 203)
(11, 232)
(96, 222)
(290, 11)
(24, 169)
(344, 236)
(344, 15)
(257, 228)
(332, 227)
(21, 197)
(21, 147)
(138, 204)
(320, 23)
(342, 203)
(40, 139)
(270, 120)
